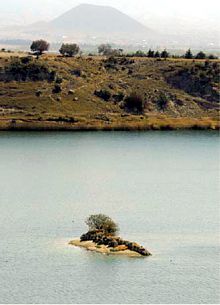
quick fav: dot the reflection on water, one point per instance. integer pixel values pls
(161, 187)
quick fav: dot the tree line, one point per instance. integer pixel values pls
(164, 54)
(66, 49)
(72, 49)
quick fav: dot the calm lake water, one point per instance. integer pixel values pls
(161, 187)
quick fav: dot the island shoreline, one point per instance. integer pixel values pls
(91, 246)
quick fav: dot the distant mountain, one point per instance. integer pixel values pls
(86, 24)
(93, 24)
(98, 20)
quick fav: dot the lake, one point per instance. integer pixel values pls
(162, 188)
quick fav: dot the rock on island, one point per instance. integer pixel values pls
(102, 238)
(99, 242)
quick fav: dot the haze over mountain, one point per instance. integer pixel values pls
(94, 19)
(87, 23)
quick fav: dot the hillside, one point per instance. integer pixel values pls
(91, 93)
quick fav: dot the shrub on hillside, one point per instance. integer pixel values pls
(57, 89)
(39, 46)
(150, 53)
(58, 80)
(103, 94)
(139, 53)
(118, 97)
(162, 101)
(134, 103)
(200, 79)
(201, 55)
(27, 69)
(164, 54)
(188, 54)
(211, 56)
(38, 93)
(117, 63)
(157, 54)
(105, 49)
(77, 72)
(69, 50)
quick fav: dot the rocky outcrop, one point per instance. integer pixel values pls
(200, 80)
(103, 94)
(115, 243)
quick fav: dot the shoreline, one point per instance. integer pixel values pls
(147, 125)
(91, 246)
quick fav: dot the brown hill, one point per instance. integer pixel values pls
(92, 93)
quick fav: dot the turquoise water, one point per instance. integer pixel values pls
(161, 187)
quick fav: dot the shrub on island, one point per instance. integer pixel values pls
(102, 223)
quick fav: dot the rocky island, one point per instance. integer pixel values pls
(101, 238)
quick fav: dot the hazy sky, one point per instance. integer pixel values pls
(29, 11)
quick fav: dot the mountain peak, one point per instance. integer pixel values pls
(83, 5)
(96, 7)
(98, 20)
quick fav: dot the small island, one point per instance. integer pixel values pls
(102, 238)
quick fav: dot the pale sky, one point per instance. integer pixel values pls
(29, 11)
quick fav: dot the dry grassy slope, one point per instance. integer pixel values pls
(20, 106)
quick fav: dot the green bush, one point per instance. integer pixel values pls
(69, 49)
(201, 55)
(102, 222)
(162, 101)
(211, 56)
(58, 80)
(105, 49)
(188, 54)
(165, 54)
(28, 69)
(38, 93)
(198, 79)
(103, 94)
(139, 53)
(134, 103)
(39, 46)
(150, 53)
(57, 89)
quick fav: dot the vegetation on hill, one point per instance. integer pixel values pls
(164, 54)
(134, 103)
(107, 92)
(201, 79)
(39, 46)
(69, 49)
(106, 49)
(27, 69)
